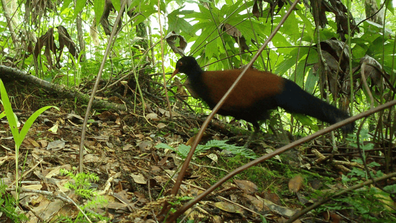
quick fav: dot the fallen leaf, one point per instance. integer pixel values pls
(56, 145)
(139, 178)
(247, 186)
(228, 207)
(161, 125)
(127, 147)
(152, 116)
(90, 158)
(295, 184)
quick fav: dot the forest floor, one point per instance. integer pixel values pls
(136, 172)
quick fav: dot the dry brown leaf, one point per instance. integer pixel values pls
(127, 147)
(61, 185)
(161, 125)
(139, 136)
(33, 142)
(145, 145)
(172, 39)
(272, 197)
(237, 35)
(155, 169)
(69, 211)
(296, 183)
(56, 145)
(91, 158)
(257, 8)
(47, 210)
(152, 116)
(54, 172)
(33, 186)
(247, 186)
(284, 211)
(257, 203)
(373, 70)
(228, 207)
(139, 178)
(43, 143)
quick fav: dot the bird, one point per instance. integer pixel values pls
(257, 93)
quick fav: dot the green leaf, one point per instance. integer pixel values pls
(79, 7)
(183, 150)
(175, 23)
(389, 6)
(117, 5)
(66, 4)
(211, 48)
(309, 27)
(286, 64)
(236, 150)
(311, 81)
(312, 57)
(305, 120)
(2, 115)
(98, 8)
(31, 120)
(299, 74)
(233, 10)
(145, 12)
(164, 146)
(11, 118)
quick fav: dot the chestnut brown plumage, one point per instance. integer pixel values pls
(256, 94)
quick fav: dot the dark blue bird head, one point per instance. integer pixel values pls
(187, 65)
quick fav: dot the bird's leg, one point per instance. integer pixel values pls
(256, 127)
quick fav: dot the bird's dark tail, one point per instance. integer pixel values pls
(295, 100)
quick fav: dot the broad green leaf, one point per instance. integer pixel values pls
(98, 8)
(389, 6)
(291, 28)
(117, 5)
(211, 48)
(305, 120)
(309, 27)
(175, 23)
(311, 81)
(183, 150)
(287, 64)
(312, 57)
(231, 10)
(299, 74)
(66, 4)
(80, 4)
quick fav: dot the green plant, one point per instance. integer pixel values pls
(7, 205)
(81, 184)
(357, 173)
(12, 119)
(368, 203)
(183, 150)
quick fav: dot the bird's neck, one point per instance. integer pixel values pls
(194, 72)
(195, 76)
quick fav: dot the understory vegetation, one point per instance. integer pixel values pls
(142, 124)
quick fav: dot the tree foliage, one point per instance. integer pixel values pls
(338, 50)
